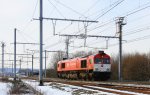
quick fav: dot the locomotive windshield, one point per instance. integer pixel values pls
(102, 61)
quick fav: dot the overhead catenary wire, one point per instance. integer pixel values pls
(109, 22)
(52, 45)
(95, 28)
(92, 6)
(137, 30)
(57, 9)
(101, 15)
(28, 23)
(128, 14)
(137, 19)
(66, 27)
(111, 45)
(137, 11)
(35, 8)
(70, 8)
(33, 14)
(129, 33)
(106, 8)
(138, 39)
(64, 5)
(132, 40)
(119, 2)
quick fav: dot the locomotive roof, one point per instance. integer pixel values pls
(82, 57)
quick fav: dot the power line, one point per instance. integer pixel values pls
(65, 28)
(24, 35)
(101, 15)
(137, 10)
(136, 31)
(52, 11)
(35, 8)
(114, 3)
(125, 15)
(129, 41)
(137, 19)
(69, 8)
(130, 13)
(133, 40)
(101, 26)
(92, 6)
(113, 20)
(56, 8)
(139, 30)
(110, 9)
(138, 39)
(29, 22)
(52, 45)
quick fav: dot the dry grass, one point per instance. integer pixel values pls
(18, 87)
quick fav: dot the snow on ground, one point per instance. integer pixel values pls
(109, 89)
(4, 88)
(134, 85)
(53, 88)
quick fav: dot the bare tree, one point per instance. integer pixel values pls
(52, 72)
(57, 57)
(136, 67)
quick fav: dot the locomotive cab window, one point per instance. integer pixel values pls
(83, 63)
(63, 65)
(106, 61)
(102, 61)
(98, 61)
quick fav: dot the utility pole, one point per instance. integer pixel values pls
(15, 54)
(20, 68)
(119, 22)
(60, 55)
(12, 68)
(32, 65)
(67, 47)
(45, 63)
(3, 45)
(20, 64)
(41, 43)
(27, 70)
(85, 27)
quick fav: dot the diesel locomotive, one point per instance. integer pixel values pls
(91, 67)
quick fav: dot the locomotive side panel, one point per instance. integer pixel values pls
(94, 66)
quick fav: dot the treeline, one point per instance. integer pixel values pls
(135, 67)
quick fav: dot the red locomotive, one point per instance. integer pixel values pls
(92, 67)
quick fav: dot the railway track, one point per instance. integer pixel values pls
(112, 87)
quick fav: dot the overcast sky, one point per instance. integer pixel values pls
(19, 14)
